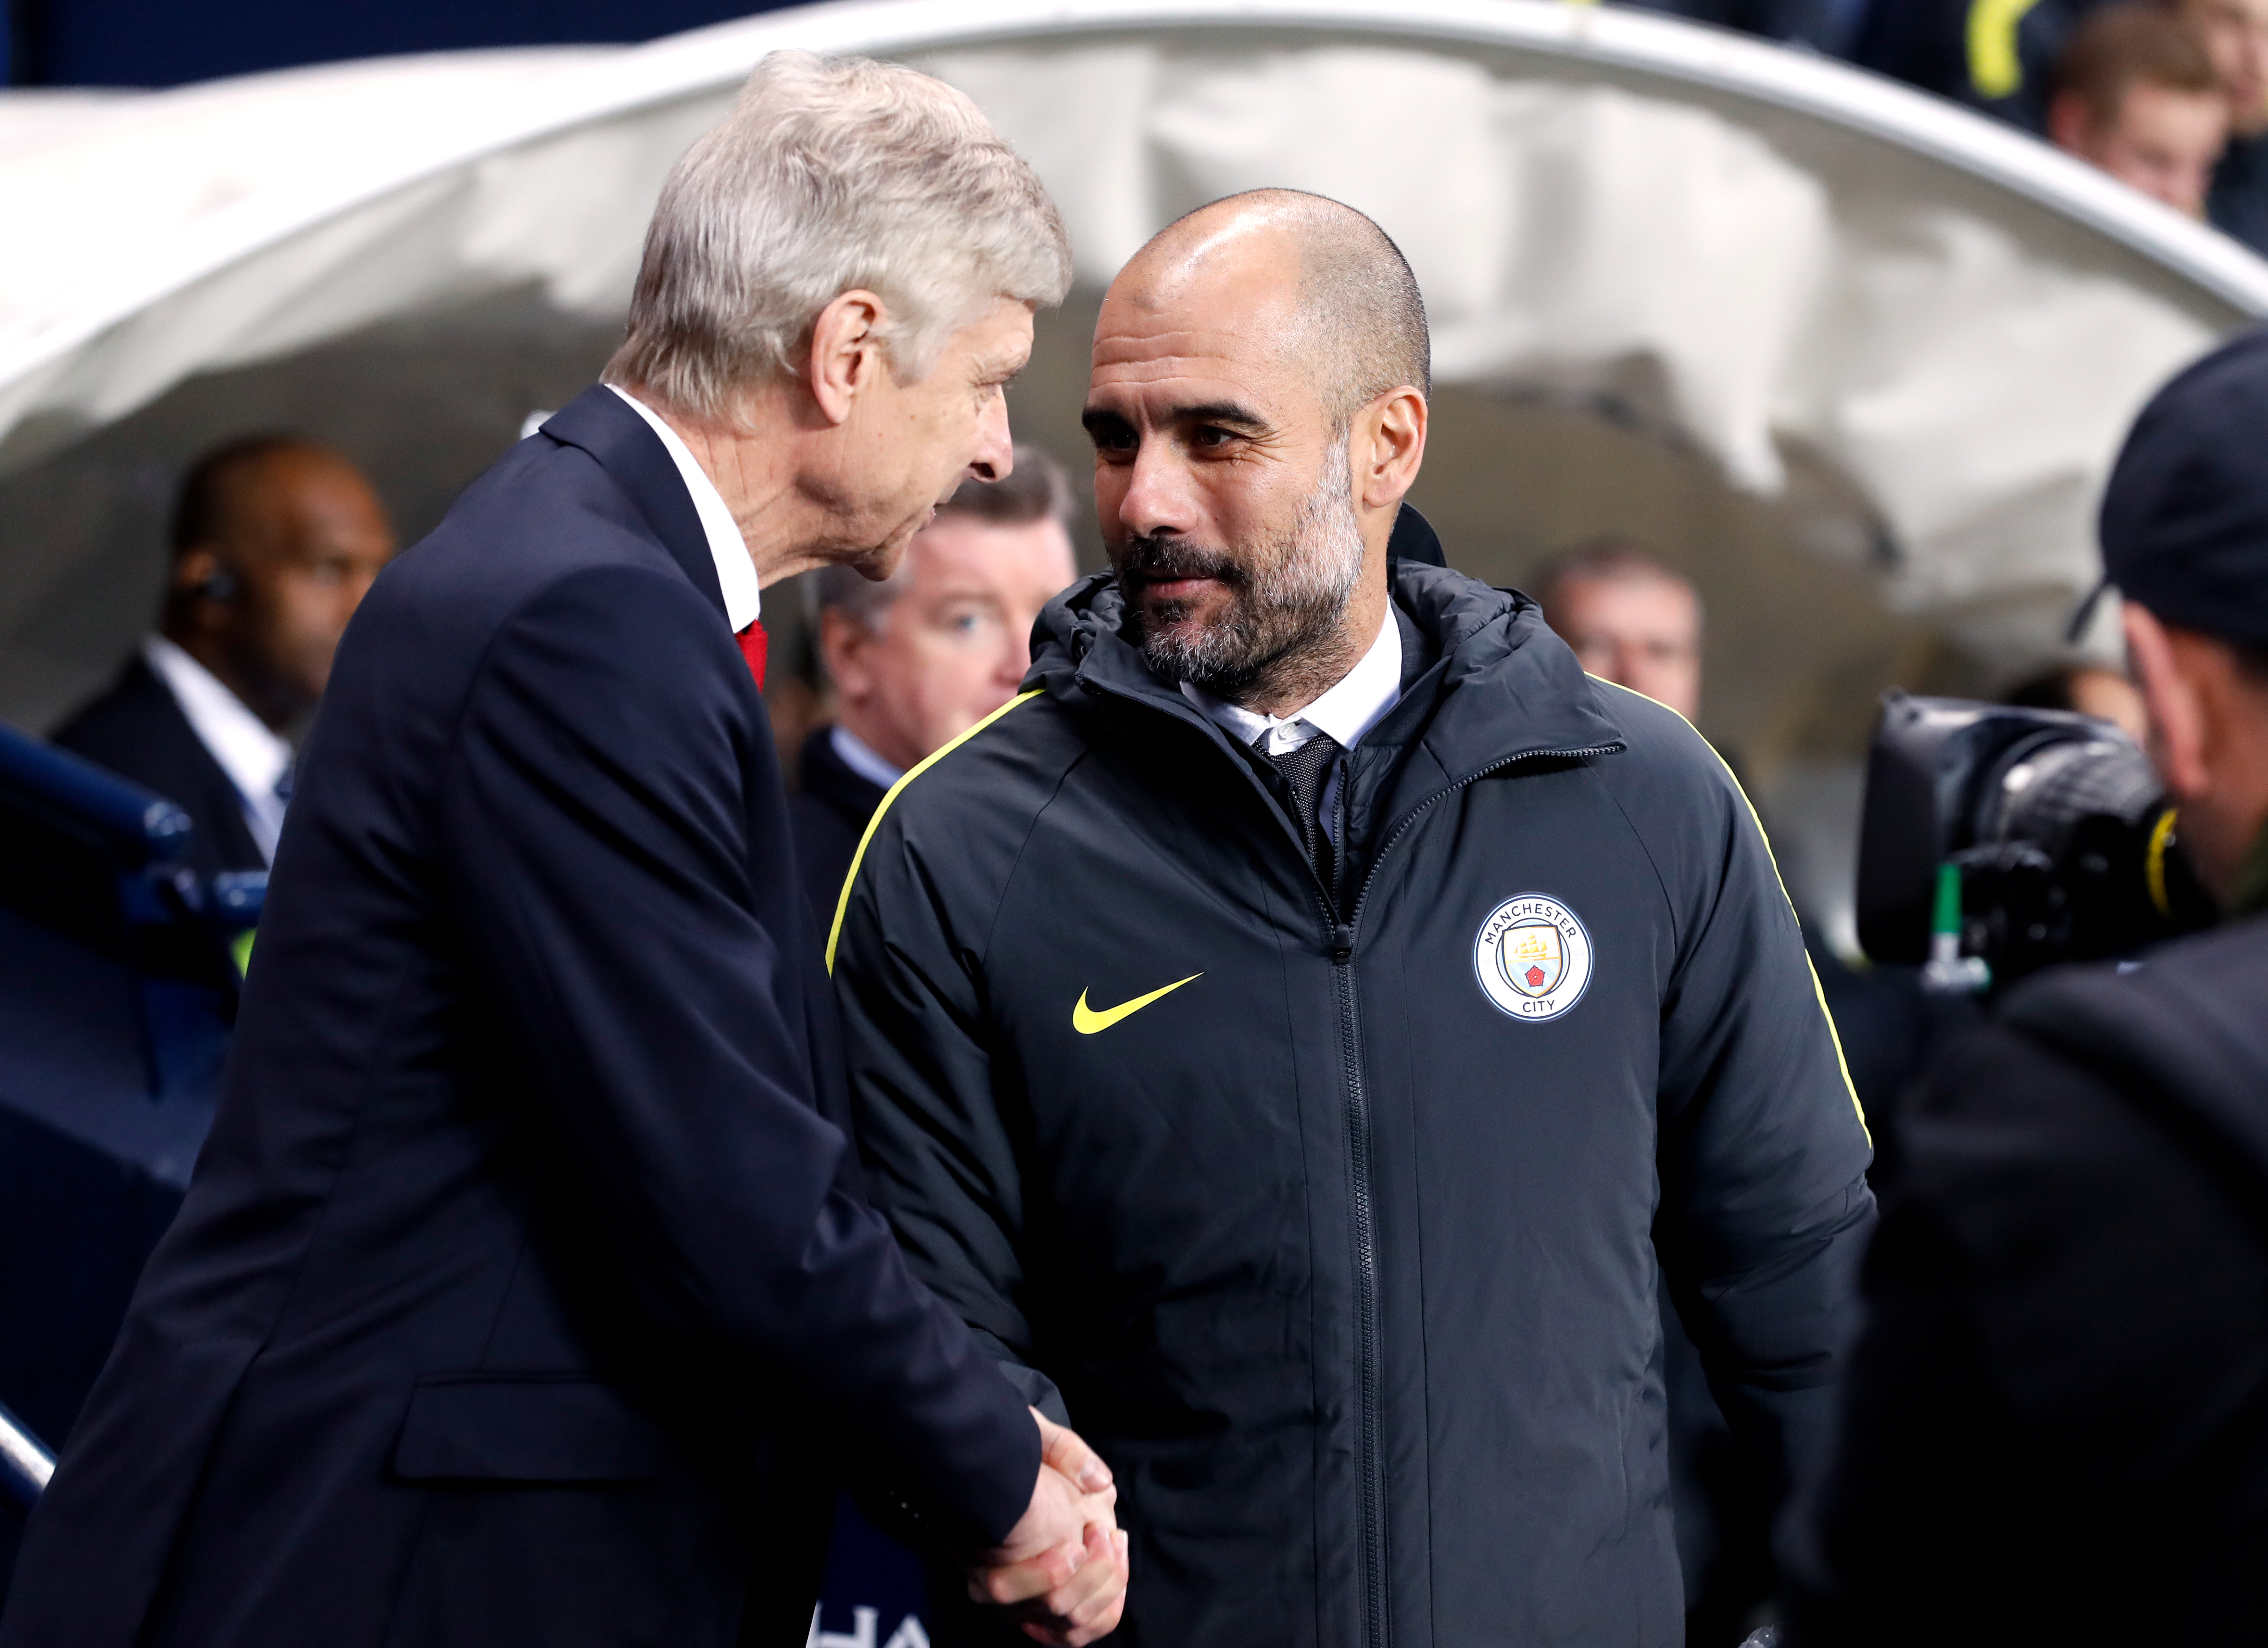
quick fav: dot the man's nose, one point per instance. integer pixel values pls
(1157, 498)
(996, 449)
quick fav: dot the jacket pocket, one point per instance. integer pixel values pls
(526, 1428)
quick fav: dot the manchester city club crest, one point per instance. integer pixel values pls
(1533, 957)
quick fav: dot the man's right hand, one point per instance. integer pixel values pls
(1062, 1569)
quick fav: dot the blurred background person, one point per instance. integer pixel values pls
(1986, 53)
(275, 541)
(1629, 618)
(2003, 58)
(2134, 93)
(2087, 690)
(918, 659)
(1633, 620)
(2235, 34)
(2055, 1422)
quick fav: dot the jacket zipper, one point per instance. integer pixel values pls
(1376, 1630)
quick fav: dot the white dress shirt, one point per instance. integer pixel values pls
(1352, 706)
(736, 573)
(257, 761)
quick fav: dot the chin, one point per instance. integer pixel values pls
(1162, 616)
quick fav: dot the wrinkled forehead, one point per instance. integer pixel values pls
(300, 496)
(1226, 325)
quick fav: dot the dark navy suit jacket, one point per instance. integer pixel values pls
(829, 814)
(136, 729)
(521, 1241)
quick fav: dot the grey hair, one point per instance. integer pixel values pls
(831, 174)
(1037, 487)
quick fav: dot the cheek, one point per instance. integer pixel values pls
(315, 612)
(1251, 503)
(1109, 493)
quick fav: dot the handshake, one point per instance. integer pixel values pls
(1061, 1570)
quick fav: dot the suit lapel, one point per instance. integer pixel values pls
(634, 458)
(215, 804)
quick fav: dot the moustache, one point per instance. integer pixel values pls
(1160, 560)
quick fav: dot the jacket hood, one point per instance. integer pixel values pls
(1503, 686)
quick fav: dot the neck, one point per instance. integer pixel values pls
(861, 722)
(275, 706)
(754, 465)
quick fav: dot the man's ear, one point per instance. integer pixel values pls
(2179, 734)
(2071, 123)
(192, 569)
(846, 352)
(842, 647)
(1387, 447)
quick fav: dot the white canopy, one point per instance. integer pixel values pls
(1856, 358)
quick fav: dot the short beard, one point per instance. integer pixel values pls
(1281, 632)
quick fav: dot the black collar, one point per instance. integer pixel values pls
(634, 459)
(827, 778)
(1494, 683)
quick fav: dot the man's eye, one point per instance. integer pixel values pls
(1211, 438)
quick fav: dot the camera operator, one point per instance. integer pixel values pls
(2057, 1417)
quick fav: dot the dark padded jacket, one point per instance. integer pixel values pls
(1349, 1270)
(2057, 1420)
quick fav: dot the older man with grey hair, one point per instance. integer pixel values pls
(525, 1276)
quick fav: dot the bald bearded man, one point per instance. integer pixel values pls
(1291, 1032)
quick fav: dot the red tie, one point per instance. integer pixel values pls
(753, 643)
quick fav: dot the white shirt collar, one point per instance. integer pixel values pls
(1352, 706)
(860, 757)
(247, 749)
(736, 574)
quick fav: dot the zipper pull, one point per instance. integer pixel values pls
(1342, 945)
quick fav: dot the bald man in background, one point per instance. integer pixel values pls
(274, 542)
(1290, 1030)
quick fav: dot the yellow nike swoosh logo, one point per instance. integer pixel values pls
(1086, 1021)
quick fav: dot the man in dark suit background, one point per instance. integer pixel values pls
(525, 1264)
(918, 659)
(274, 542)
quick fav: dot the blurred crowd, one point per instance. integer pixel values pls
(2168, 96)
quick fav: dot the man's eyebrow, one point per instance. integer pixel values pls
(1228, 413)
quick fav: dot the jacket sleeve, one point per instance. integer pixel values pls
(938, 1137)
(1763, 1154)
(597, 832)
